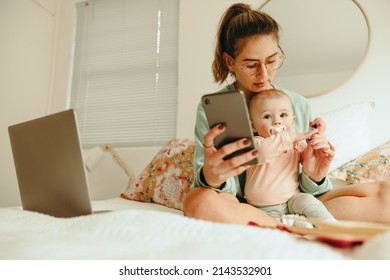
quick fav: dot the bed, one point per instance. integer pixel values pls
(145, 222)
(144, 231)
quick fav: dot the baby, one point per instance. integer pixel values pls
(273, 184)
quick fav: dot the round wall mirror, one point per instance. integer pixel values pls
(325, 41)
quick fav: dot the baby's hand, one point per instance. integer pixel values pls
(320, 124)
(299, 136)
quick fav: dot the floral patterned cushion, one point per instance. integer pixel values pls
(167, 178)
(370, 167)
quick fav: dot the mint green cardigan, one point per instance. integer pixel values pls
(303, 113)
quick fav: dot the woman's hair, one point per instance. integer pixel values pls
(238, 23)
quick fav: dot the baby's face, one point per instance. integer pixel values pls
(266, 113)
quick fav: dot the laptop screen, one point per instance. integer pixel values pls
(49, 165)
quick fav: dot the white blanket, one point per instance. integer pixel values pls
(154, 234)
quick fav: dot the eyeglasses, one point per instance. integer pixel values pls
(272, 63)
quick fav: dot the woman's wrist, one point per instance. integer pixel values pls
(320, 182)
(317, 181)
(204, 182)
(202, 178)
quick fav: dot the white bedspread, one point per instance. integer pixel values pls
(155, 234)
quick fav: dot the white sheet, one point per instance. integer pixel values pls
(148, 231)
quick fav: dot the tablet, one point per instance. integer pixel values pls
(229, 108)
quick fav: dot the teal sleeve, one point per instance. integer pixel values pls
(201, 128)
(307, 185)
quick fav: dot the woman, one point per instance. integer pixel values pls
(247, 48)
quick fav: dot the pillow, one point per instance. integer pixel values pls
(370, 167)
(348, 131)
(167, 178)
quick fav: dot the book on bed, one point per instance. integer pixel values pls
(340, 234)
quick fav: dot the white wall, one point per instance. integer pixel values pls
(371, 80)
(313, 84)
(26, 58)
(36, 53)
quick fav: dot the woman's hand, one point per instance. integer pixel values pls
(319, 124)
(216, 170)
(317, 157)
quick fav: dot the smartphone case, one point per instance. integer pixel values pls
(229, 108)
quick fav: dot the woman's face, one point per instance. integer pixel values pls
(256, 51)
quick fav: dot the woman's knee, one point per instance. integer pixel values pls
(384, 189)
(371, 190)
(196, 201)
(379, 189)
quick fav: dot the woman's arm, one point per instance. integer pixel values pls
(201, 128)
(316, 161)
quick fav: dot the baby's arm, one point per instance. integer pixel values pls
(299, 136)
(272, 146)
(277, 144)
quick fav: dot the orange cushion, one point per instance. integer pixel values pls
(370, 167)
(167, 178)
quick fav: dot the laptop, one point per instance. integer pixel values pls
(49, 165)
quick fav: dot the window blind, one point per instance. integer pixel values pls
(124, 82)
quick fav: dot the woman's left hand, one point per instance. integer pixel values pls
(317, 157)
